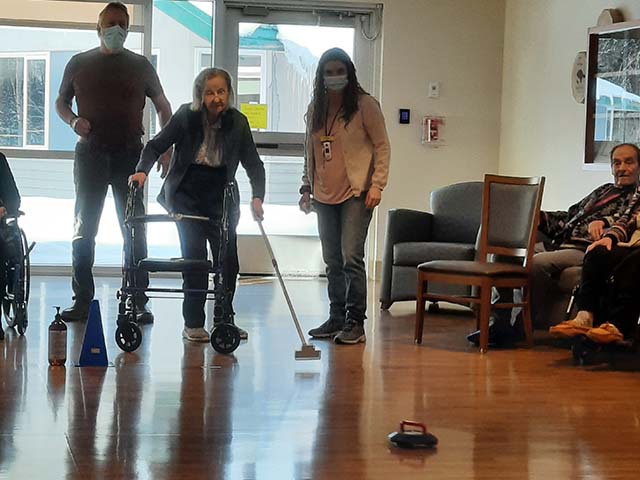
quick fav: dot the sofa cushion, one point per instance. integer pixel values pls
(415, 253)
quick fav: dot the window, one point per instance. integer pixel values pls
(23, 101)
(250, 79)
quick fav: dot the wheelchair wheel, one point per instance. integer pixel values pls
(128, 337)
(225, 338)
(18, 285)
(15, 314)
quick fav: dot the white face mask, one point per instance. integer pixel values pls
(336, 82)
(114, 37)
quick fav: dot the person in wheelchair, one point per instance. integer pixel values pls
(9, 233)
(608, 286)
(211, 139)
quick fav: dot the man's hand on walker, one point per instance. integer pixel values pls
(139, 177)
(256, 209)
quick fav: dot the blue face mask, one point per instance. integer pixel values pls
(336, 82)
(113, 38)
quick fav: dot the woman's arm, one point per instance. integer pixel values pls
(374, 125)
(169, 135)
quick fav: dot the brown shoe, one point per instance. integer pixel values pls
(605, 333)
(572, 328)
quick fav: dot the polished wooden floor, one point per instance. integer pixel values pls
(175, 410)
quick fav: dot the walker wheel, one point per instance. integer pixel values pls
(128, 336)
(225, 338)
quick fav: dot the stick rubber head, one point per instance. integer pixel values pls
(308, 352)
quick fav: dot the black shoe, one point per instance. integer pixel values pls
(498, 337)
(352, 333)
(144, 316)
(1, 333)
(78, 312)
(328, 329)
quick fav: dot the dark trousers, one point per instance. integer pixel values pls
(609, 286)
(201, 192)
(94, 170)
(343, 232)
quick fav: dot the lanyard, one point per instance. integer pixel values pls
(327, 132)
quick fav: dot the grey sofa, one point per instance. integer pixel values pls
(413, 237)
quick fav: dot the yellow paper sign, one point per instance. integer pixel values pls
(256, 114)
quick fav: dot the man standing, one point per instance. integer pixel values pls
(570, 233)
(110, 85)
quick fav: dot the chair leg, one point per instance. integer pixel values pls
(483, 316)
(420, 301)
(385, 305)
(526, 316)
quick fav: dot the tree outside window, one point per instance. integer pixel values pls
(23, 101)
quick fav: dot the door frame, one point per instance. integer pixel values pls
(228, 14)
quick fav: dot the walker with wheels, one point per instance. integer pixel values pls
(225, 336)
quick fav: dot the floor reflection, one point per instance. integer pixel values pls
(177, 410)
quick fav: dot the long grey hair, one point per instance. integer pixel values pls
(203, 77)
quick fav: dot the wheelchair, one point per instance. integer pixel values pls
(15, 272)
(225, 337)
(621, 355)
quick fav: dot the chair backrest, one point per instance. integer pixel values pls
(457, 212)
(510, 215)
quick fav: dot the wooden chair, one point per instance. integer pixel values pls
(510, 215)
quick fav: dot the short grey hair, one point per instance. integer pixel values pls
(203, 77)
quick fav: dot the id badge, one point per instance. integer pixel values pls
(326, 150)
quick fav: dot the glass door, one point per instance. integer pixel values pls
(272, 51)
(37, 39)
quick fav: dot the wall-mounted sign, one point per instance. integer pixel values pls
(256, 114)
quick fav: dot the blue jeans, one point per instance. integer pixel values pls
(343, 232)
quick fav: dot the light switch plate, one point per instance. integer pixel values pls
(434, 89)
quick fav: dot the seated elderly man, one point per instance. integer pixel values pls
(570, 233)
(616, 255)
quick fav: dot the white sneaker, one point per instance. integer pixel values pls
(195, 334)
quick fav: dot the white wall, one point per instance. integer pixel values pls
(458, 43)
(542, 129)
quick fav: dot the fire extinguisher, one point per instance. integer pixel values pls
(433, 129)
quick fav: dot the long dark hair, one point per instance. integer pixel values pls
(351, 93)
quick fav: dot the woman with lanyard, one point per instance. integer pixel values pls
(211, 138)
(346, 168)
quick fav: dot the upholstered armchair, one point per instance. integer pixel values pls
(413, 237)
